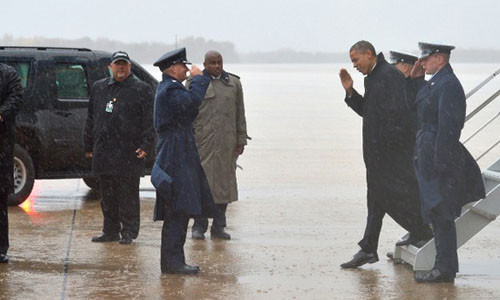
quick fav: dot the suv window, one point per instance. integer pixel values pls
(71, 81)
(23, 69)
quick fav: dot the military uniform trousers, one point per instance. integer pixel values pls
(173, 237)
(4, 224)
(120, 205)
(219, 221)
(442, 218)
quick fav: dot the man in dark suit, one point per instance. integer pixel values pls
(118, 136)
(10, 103)
(387, 148)
(447, 174)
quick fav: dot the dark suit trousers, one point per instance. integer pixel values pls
(173, 237)
(120, 205)
(445, 236)
(219, 222)
(4, 224)
(376, 214)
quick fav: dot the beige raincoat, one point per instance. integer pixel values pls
(219, 127)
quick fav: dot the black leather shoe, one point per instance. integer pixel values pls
(220, 234)
(360, 259)
(433, 276)
(106, 238)
(183, 269)
(197, 235)
(4, 259)
(125, 240)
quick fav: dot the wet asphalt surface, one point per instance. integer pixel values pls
(282, 247)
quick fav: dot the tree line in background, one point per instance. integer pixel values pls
(148, 52)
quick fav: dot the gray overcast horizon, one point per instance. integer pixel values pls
(263, 25)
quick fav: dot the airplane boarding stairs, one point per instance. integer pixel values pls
(475, 216)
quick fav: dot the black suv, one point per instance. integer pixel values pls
(56, 83)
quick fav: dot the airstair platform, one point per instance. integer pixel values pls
(475, 216)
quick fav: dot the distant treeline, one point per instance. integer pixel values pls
(147, 53)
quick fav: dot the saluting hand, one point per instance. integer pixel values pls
(140, 154)
(347, 82)
(417, 70)
(195, 71)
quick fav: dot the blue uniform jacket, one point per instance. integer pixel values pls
(446, 171)
(175, 110)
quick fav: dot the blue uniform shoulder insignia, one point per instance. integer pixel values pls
(173, 80)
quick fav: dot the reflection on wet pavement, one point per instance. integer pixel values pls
(283, 248)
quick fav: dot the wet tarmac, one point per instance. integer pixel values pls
(301, 212)
(282, 247)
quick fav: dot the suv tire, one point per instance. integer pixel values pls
(92, 182)
(24, 176)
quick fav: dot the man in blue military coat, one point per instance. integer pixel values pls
(447, 174)
(182, 187)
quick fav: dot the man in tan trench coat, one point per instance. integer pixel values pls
(221, 135)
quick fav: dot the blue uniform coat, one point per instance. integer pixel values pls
(446, 171)
(174, 112)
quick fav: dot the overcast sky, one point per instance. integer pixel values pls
(263, 25)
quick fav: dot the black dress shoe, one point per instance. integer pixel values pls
(184, 269)
(220, 234)
(125, 240)
(360, 259)
(106, 238)
(4, 259)
(433, 276)
(197, 235)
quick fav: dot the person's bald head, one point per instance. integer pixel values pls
(213, 63)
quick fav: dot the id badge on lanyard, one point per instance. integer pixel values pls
(109, 105)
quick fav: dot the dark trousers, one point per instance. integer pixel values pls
(376, 214)
(4, 224)
(218, 223)
(173, 237)
(445, 236)
(120, 205)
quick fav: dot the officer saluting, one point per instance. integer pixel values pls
(405, 63)
(447, 174)
(182, 188)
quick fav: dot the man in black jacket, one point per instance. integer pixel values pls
(10, 102)
(118, 136)
(387, 148)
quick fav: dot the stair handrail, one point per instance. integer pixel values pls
(479, 86)
(481, 128)
(483, 105)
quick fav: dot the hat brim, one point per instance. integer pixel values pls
(121, 58)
